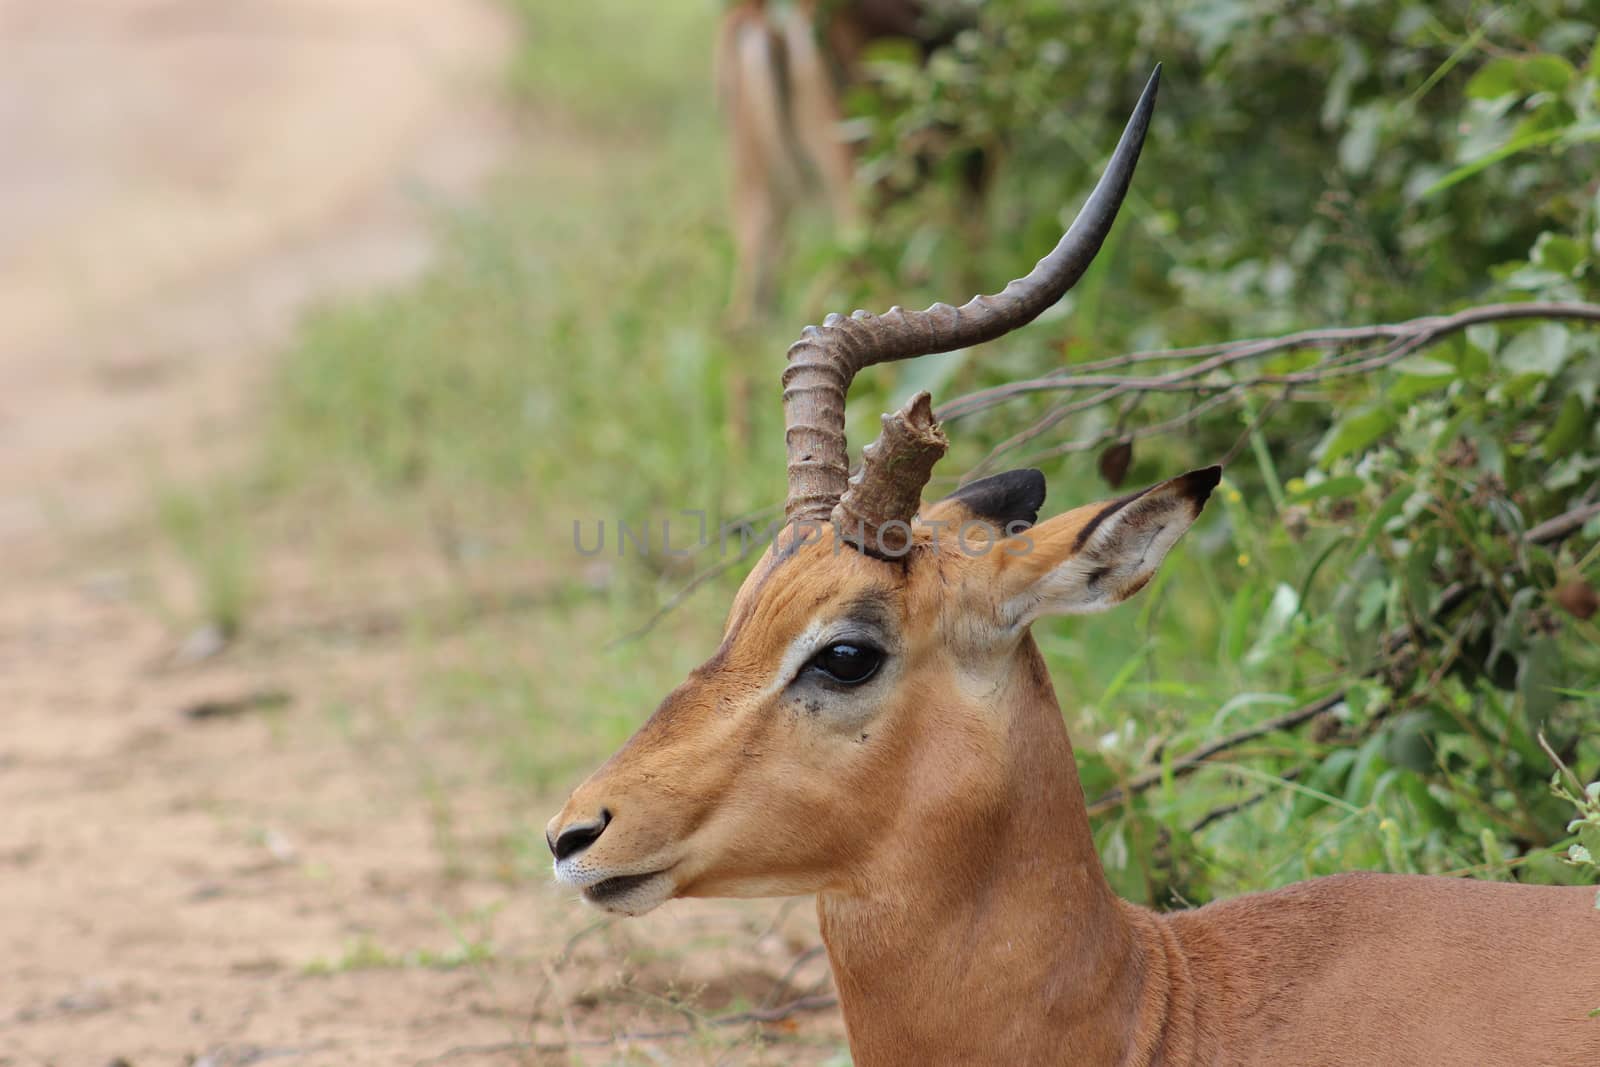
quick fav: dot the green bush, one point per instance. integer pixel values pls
(1309, 166)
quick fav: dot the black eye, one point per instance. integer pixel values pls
(847, 663)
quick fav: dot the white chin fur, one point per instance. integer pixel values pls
(637, 899)
(622, 894)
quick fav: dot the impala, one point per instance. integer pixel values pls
(782, 68)
(878, 729)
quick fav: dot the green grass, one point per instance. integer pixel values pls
(210, 532)
(364, 953)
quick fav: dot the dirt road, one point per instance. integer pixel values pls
(265, 857)
(178, 178)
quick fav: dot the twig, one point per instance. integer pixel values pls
(1266, 412)
(1191, 761)
(707, 575)
(1562, 526)
(1202, 360)
(1177, 422)
(1395, 641)
(1561, 766)
(1217, 814)
(781, 989)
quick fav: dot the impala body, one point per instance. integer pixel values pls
(783, 67)
(878, 728)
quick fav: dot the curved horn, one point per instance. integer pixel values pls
(826, 359)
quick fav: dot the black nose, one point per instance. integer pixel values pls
(579, 836)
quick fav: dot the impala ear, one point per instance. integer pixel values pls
(1095, 557)
(1007, 502)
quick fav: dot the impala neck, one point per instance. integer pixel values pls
(996, 937)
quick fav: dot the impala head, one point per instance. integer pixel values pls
(877, 658)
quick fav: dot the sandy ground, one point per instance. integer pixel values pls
(188, 874)
(179, 178)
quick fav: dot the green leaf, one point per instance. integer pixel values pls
(1355, 432)
(1541, 349)
(1483, 340)
(1391, 506)
(1406, 742)
(1425, 367)
(1589, 838)
(1359, 146)
(1497, 78)
(1241, 617)
(1559, 253)
(1345, 485)
(1520, 143)
(1359, 641)
(1324, 780)
(1283, 607)
(1547, 73)
(1536, 678)
(1419, 585)
(1407, 389)
(1095, 773)
(1415, 788)
(1569, 429)
(1420, 376)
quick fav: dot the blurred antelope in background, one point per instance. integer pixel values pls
(783, 67)
(878, 728)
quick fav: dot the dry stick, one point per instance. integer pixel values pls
(1266, 412)
(1561, 767)
(1192, 761)
(1545, 533)
(1155, 429)
(1427, 330)
(1403, 339)
(798, 1006)
(1051, 417)
(1562, 526)
(1217, 814)
(785, 983)
(710, 573)
(1179, 381)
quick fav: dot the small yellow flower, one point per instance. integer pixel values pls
(1244, 559)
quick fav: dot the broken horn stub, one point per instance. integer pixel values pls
(876, 510)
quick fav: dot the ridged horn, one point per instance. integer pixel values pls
(826, 358)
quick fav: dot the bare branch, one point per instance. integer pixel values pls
(1194, 760)
(1562, 526)
(1400, 339)
(1217, 814)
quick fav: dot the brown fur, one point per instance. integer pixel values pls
(936, 813)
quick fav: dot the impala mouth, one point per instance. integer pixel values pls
(622, 884)
(630, 894)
